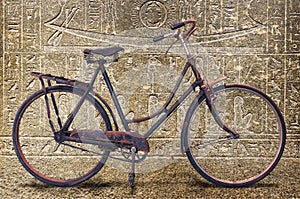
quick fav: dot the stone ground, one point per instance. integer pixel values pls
(175, 181)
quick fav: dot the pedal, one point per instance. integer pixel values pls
(131, 174)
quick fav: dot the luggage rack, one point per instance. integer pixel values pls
(60, 80)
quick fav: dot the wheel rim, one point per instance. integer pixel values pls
(45, 159)
(243, 161)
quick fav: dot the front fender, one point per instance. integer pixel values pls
(184, 137)
(198, 100)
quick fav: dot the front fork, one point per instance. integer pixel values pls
(210, 97)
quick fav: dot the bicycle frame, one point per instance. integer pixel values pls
(165, 112)
(106, 139)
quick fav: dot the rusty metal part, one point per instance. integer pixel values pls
(129, 138)
(118, 138)
(61, 80)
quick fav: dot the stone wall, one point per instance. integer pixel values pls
(252, 42)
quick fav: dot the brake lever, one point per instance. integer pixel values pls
(161, 37)
(176, 35)
(167, 51)
(189, 33)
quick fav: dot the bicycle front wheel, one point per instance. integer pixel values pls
(64, 164)
(230, 162)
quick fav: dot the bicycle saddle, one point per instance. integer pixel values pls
(104, 51)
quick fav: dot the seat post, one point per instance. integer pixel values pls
(114, 96)
(101, 62)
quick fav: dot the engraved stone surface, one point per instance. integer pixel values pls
(255, 42)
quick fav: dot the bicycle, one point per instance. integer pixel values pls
(244, 148)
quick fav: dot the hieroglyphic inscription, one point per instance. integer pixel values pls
(275, 74)
(22, 25)
(12, 89)
(293, 29)
(12, 25)
(151, 14)
(93, 15)
(31, 25)
(276, 26)
(254, 42)
(293, 93)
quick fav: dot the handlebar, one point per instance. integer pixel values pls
(161, 37)
(176, 26)
(183, 23)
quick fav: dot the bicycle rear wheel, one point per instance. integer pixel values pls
(65, 164)
(232, 162)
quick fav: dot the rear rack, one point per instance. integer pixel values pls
(60, 80)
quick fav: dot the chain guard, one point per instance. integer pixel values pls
(109, 138)
(128, 139)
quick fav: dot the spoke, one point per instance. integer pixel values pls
(48, 142)
(234, 166)
(82, 149)
(55, 149)
(214, 142)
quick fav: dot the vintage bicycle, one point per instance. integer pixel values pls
(60, 148)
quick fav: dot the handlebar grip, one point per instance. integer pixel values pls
(158, 38)
(177, 25)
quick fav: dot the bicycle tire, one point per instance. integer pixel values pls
(234, 162)
(41, 155)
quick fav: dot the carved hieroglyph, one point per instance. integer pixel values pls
(256, 42)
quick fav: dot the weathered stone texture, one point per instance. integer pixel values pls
(252, 42)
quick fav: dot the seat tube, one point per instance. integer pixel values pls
(114, 97)
(80, 102)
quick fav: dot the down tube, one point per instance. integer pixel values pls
(169, 111)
